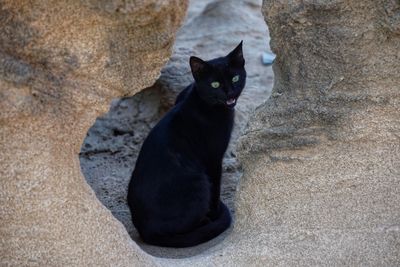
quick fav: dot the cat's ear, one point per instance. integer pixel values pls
(235, 57)
(198, 66)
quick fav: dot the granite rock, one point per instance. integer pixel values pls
(321, 158)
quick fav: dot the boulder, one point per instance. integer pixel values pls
(61, 63)
(321, 158)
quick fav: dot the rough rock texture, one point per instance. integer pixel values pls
(321, 183)
(212, 28)
(60, 65)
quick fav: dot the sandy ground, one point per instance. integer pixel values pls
(109, 152)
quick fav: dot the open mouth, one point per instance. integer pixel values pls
(231, 102)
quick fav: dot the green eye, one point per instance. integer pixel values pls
(215, 84)
(235, 78)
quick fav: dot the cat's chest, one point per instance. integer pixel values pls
(219, 131)
(215, 136)
(204, 134)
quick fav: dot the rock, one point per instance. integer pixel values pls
(321, 158)
(60, 65)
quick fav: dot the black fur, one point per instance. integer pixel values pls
(174, 192)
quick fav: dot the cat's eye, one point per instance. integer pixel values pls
(215, 84)
(235, 78)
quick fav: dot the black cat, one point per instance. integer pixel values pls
(174, 192)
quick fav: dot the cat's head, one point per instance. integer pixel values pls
(220, 81)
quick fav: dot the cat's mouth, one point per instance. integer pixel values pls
(231, 102)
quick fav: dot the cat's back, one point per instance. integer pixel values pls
(158, 139)
(158, 163)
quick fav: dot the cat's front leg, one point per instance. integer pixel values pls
(215, 176)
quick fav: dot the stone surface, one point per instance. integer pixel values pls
(60, 65)
(320, 157)
(212, 29)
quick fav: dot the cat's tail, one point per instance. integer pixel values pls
(197, 236)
